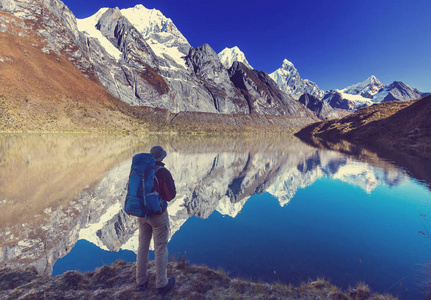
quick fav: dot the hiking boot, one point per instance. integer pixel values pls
(164, 290)
(142, 287)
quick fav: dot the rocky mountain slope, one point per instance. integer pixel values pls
(400, 125)
(320, 107)
(262, 93)
(81, 74)
(188, 79)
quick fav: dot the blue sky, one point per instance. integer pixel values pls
(334, 43)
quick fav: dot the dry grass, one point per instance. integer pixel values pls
(193, 282)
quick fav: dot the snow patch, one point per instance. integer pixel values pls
(89, 232)
(227, 208)
(88, 26)
(161, 50)
(356, 98)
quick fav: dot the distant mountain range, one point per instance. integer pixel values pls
(350, 98)
(139, 56)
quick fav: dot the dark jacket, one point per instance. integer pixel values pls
(164, 184)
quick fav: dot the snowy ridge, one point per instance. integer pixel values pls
(150, 21)
(88, 27)
(227, 208)
(356, 98)
(367, 88)
(160, 32)
(229, 55)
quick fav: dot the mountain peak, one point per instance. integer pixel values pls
(139, 6)
(287, 64)
(288, 79)
(229, 55)
(373, 80)
(368, 88)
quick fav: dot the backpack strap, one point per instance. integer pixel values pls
(157, 181)
(158, 168)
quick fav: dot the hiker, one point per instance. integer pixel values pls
(158, 227)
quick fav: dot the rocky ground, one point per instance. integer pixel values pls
(193, 282)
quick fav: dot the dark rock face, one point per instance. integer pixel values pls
(401, 92)
(336, 100)
(207, 66)
(262, 93)
(124, 36)
(321, 108)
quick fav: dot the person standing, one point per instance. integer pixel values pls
(156, 226)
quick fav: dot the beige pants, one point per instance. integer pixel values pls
(158, 227)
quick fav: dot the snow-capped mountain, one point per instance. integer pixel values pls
(177, 76)
(141, 57)
(350, 98)
(369, 92)
(159, 31)
(288, 79)
(367, 88)
(229, 55)
(399, 91)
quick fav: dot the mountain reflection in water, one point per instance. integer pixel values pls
(58, 189)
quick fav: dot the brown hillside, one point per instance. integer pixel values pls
(403, 126)
(45, 92)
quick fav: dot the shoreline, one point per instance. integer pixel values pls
(193, 282)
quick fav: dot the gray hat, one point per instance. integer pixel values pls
(158, 153)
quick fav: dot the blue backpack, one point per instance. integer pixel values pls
(141, 199)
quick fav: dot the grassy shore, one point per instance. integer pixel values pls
(193, 282)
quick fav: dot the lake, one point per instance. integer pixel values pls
(268, 208)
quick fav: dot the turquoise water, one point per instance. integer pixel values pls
(329, 230)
